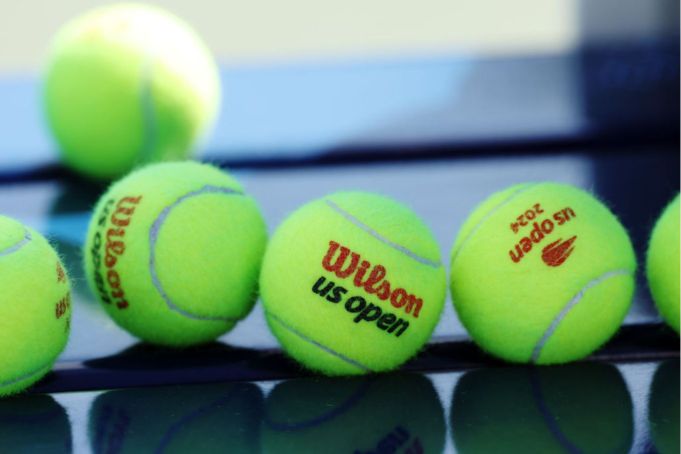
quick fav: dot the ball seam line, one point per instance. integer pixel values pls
(146, 103)
(24, 377)
(321, 346)
(153, 238)
(489, 214)
(398, 247)
(18, 245)
(568, 307)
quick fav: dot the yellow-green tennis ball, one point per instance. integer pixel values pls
(352, 283)
(662, 265)
(173, 252)
(35, 312)
(663, 408)
(574, 408)
(128, 84)
(378, 414)
(34, 423)
(222, 418)
(542, 273)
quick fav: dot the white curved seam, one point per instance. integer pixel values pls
(153, 239)
(23, 377)
(150, 129)
(317, 344)
(18, 245)
(488, 215)
(381, 238)
(568, 307)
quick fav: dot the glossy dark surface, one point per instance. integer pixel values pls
(582, 407)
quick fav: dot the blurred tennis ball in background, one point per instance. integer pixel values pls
(663, 408)
(382, 413)
(352, 283)
(35, 312)
(173, 252)
(662, 265)
(189, 418)
(542, 273)
(35, 424)
(582, 407)
(127, 84)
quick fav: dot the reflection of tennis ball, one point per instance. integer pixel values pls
(663, 409)
(542, 273)
(173, 251)
(662, 266)
(36, 309)
(573, 408)
(386, 413)
(352, 283)
(128, 84)
(203, 418)
(34, 424)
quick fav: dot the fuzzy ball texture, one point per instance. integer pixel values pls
(662, 265)
(663, 408)
(542, 273)
(377, 414)
(173, 252)
(35, 312)
(127, 84)
(572, 408)
(352, 283)
(34, 423)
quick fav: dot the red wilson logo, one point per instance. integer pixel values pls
(535, 227)
(557, 252)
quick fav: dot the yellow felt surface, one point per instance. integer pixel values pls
(662, 266)
(507, 307)
(207, 253)
(31, 333)
(293, 263)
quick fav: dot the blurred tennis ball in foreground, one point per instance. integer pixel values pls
(128, 84)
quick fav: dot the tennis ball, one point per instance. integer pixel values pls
(662, 265)
(34, 423)
(571, 408)
(352, 283)
(35, 312)
(542, 273)
(663, 408)
(380, 413)
(128, 84)
(180, 419)
(173, 252)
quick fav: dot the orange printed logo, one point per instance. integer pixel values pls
(532, 235)
(557, 252)
(371, 279)
(61, 275)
